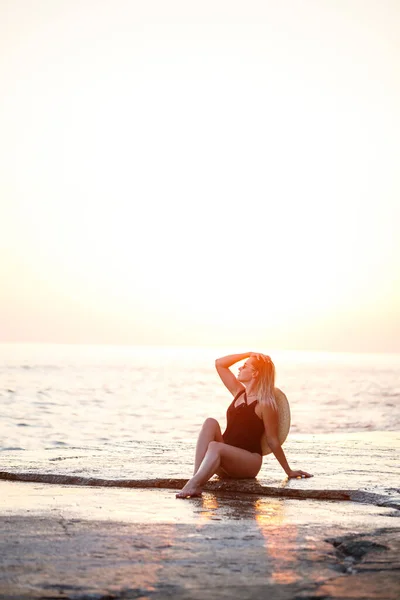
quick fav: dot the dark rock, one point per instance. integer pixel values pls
(358, 548)
(355, 547)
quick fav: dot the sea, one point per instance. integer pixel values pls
(59, 398)
(76, 395)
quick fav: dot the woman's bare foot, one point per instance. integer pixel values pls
(190, 490)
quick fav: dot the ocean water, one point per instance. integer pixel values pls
(66, 396)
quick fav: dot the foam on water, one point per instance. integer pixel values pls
(361, 467)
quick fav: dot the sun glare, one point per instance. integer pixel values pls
(178, 171)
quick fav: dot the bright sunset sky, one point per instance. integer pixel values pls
(201, 173)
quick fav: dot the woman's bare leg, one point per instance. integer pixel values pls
(235, 461)
(210, 432)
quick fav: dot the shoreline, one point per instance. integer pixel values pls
(360, 467)
(234, 486)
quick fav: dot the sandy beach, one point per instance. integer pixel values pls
(78, 543)
(242, 539)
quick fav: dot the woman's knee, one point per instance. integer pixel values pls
(211, 423)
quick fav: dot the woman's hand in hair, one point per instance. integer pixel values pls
(259, 356)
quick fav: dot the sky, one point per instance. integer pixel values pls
(201, 173)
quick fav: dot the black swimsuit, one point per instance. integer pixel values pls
(244, 428)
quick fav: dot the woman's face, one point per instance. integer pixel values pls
(246, 371)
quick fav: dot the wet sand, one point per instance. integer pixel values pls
(80, 543)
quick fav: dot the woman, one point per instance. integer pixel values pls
(237, 453)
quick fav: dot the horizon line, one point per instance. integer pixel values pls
(192, 346)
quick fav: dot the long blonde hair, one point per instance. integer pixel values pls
(265, 383)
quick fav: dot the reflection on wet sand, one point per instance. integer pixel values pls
(149, 572)
(279, 539)
(209, 506)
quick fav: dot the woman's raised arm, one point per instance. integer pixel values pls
(227, 377)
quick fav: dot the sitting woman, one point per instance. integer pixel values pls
(237, 453)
